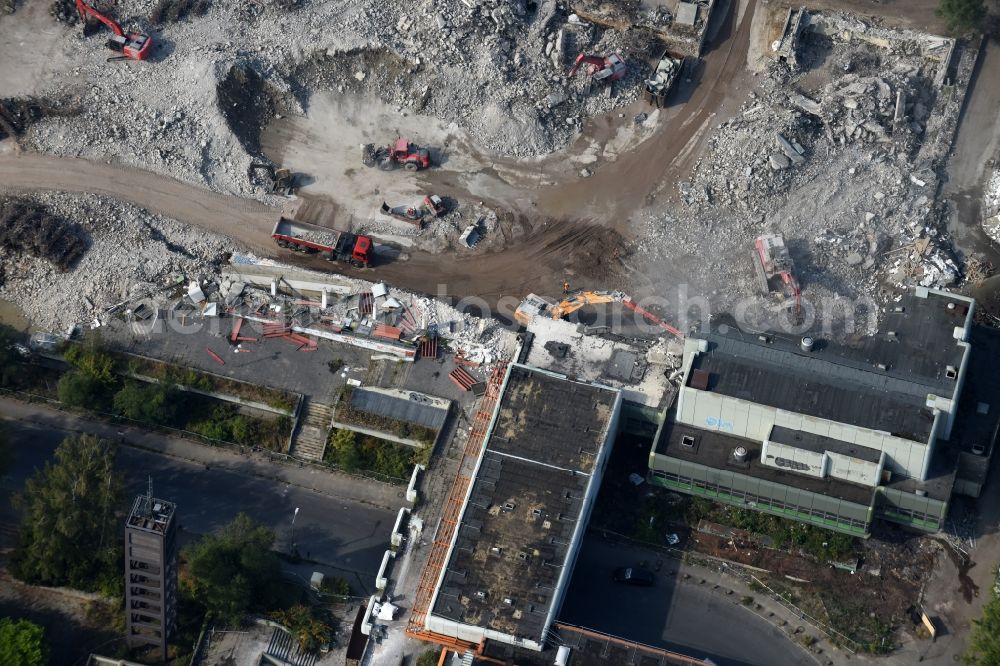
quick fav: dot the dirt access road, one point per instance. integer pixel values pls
(581, 245)
(556, 249)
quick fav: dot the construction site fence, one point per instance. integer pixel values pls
(249, 451)
(747, 575)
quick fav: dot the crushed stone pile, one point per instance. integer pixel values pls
(131, 253)
(220, 71)
(840, 154)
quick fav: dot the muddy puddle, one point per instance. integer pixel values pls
(12, 316)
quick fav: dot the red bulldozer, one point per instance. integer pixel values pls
(131, 45)
(400, 152)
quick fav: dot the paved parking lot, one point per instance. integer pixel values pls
(681, 616)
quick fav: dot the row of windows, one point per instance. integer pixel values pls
(897, 513)
(764, 502)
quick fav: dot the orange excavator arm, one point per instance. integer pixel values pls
(577, 301)
(85, 11)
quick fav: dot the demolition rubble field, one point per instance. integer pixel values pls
(839, 146)
(836, 138)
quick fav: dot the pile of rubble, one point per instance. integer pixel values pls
(991, 206)
(838, 150)
(28, 228)
(131, 253)
(495, 69)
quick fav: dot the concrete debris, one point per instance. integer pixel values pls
(817, 154)
(132, 254)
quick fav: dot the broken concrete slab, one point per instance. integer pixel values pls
(788, 149)
(779, 162)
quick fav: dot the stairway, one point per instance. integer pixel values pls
(314, 429)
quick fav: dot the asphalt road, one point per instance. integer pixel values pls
(687, 618)
(345, 536)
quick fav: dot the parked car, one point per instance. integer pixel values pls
(634, 576)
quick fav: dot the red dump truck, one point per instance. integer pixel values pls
(331, 244)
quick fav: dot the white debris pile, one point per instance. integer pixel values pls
(991, 206)
(841, 155)
(131, 253)
(195, 110)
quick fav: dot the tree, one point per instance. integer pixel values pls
(235, 571)
(962, 15)
(89, 384)
(984, 643)
(344, 450)
(10, 361)
(151, 403)
(22, 643)
(69, 518)
(77, 389)
(310, 631)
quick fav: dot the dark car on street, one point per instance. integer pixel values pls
(634, 576)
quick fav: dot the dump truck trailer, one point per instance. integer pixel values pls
(331, 244)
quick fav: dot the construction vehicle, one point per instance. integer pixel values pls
(534, 305)
(399, 152)
(774, 267)
(131, 45)
(282, 180)
(434, 205)
(601, 69)
(658, 86)
(411, 214)
(431, 205)
(331, 244)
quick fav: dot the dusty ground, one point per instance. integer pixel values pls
(605, 210)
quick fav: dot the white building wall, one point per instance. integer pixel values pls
(711, 411)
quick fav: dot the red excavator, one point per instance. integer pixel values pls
(773, 262)
(131, 45)
(601, 69)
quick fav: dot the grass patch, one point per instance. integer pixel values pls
(347, 414)
(203, 381)
(352, 452)
(824, 545)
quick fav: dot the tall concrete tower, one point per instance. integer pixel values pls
(151, 573)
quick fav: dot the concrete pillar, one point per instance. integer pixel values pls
(323, 298)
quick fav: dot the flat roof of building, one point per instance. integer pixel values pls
(520, 519)
(714, 449)
(813, 386)
(879, 382)
(151, 514)
(820, 443)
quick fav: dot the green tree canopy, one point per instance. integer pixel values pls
(10, 361)
(77, 389)
(151, 403)
(89, 385)
(344, 449)
(984, 643)
(22, 643)
(69, 524)
(309, 630)
(235, 571)
(962, 15)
